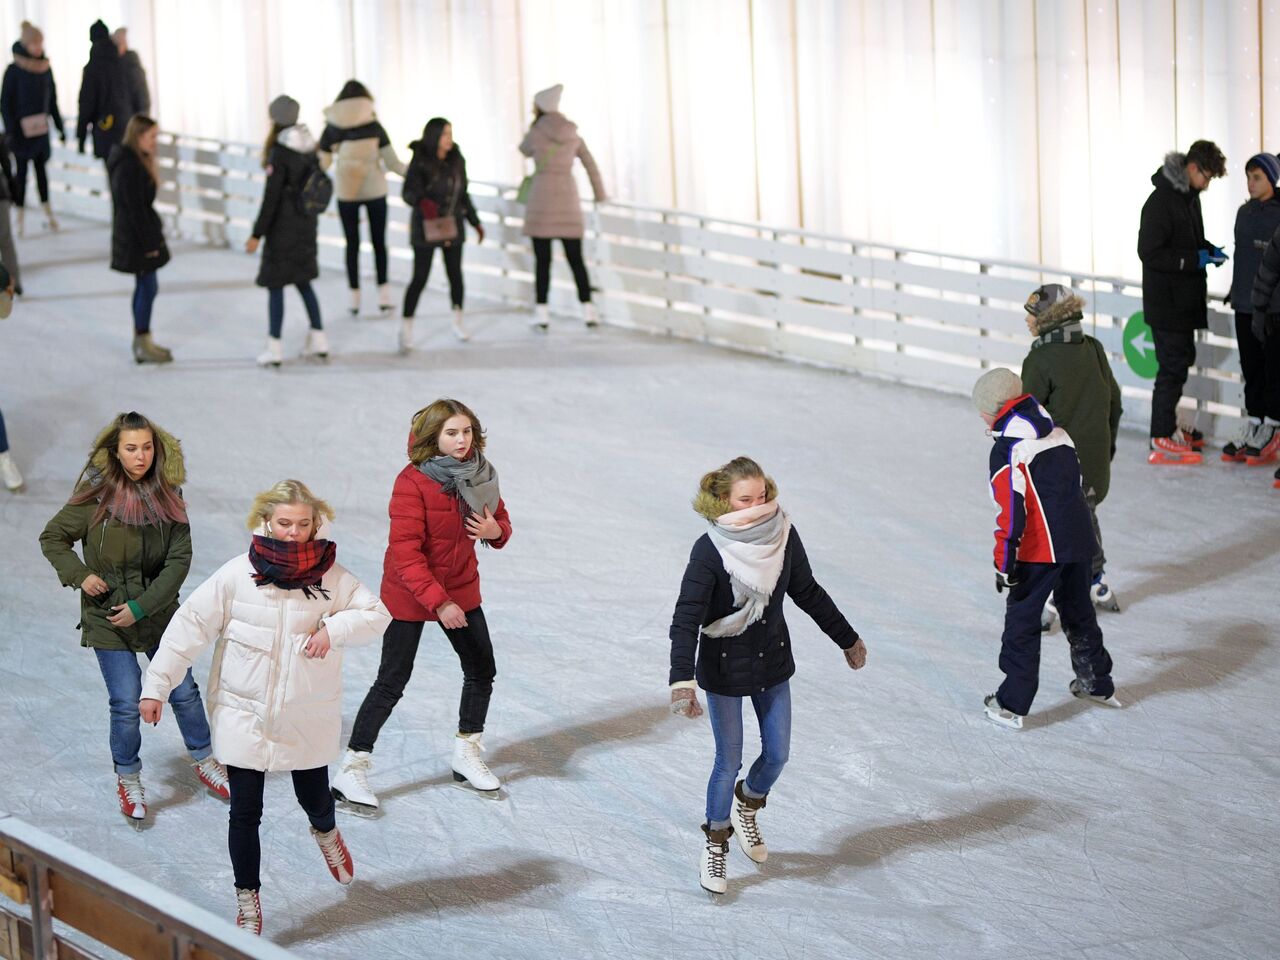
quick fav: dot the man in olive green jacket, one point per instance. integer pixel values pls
(1068, 372)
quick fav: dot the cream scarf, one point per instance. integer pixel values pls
(752, 544)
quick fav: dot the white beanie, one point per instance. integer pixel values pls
(994, 389)
(548, 100)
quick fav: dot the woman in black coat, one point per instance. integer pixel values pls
(729, 636)
(435, 188)
(137, 236)
(289, 256)
(28, 98)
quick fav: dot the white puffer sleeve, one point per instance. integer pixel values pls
(360, 617)
(198, 622)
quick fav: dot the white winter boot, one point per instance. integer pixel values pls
(355, 302)
(405, 341)
(743, 817)
(589, 315)
(317, 345)
(133, 800)
(9, 472)
(273, 356)
(385, 304)
(467, 765)
(248, 911)
(50, 220)
(714, 874)
(459, 330)
(351, 785)
(541, 317)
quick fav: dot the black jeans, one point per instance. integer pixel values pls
(422, 257)
(20, 181)
(1260, 364)
(1020, 645)
(542, 267)
(399, 648)
(1175, 352)
(1099, 555)
(349, 211)
(312, 790)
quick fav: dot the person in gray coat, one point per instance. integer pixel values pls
(554, 210)
(135, 75)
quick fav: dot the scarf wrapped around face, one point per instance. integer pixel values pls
(752, 544)
(292, 564)
(474, 482)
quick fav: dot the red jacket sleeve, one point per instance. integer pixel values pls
(406, 545)
(504, 521)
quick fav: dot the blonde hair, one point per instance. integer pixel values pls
(138, 125)
(430, 420)
(286, 492)
(713, 490)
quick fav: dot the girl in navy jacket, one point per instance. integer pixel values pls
(728, 636)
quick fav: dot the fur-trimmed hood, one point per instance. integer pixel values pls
(351, 112)
(710, 507)
(26, 61)
(175, 470)
(1173, 172)
(297, 138)
(1063, 312)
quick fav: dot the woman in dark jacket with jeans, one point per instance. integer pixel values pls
(137, 236)
(730, 615)
(435, 188)
(289, 257)
(28, 99)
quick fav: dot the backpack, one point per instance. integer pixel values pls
(316, 192)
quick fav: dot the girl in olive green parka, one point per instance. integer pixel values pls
(128, 513)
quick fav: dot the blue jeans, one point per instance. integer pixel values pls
(145, 288)
(4, 437)
(275, 308)
(773, 710)
(123, 676)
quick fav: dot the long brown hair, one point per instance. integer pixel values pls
(105, 481)
(138, 125)
(430, 420)
(272, 136)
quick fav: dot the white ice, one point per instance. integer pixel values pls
(905, 825)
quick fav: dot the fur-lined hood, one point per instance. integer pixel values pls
(710, 507)
(26, 61)
(175, 471)
(297, 138)
(1057, 315)
(351, 112)
(1174, 172)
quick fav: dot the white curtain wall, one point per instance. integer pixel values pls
(1019, 129)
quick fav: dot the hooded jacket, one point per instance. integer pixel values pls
(759, 657)
(554, 208)
(430, 560)
(1035, 483)
(1072, 378)
(104, 94)
(271, 707)
(136, 230)
(356, 143)
(147, 564)
(289, 232)
(135, 80)
(28, 90)
(1170, 238)
(1256, 223)
(445, 184)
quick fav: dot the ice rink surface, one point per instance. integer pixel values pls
(905, 825)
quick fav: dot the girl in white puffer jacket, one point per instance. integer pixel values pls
(282, 615)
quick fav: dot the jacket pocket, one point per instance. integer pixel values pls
(312, 679)
(246, 661)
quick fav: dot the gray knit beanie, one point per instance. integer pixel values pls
(283, 111)
(1052, 306)
(994, 389)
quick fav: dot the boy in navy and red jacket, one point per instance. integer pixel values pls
(1043, 544)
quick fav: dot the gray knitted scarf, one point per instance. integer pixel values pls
(473, 481)
(753, 557)
(1071, 332)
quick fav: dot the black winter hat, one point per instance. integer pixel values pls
(99, 31)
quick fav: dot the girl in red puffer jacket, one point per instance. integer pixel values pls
(443, 502)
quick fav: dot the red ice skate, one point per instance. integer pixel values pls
(1267, 452)
(249, 911)
(1175, 449)
(336, 855)
(133, 801)
(214, 776)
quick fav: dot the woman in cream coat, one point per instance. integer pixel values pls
(281, 615)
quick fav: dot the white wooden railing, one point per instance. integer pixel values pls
(921, 317)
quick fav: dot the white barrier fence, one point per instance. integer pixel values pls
(932, 319)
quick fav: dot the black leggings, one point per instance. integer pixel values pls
(20, 181)
(542, 267)
(349, 211)
(399, 648)
(422, 257)
(312, 790)
(1260, 364)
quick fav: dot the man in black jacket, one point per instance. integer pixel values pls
(105, 103)
(1174, 256)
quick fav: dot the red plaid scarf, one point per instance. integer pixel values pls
(292, 564)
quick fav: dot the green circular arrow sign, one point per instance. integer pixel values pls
(1140, 348)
